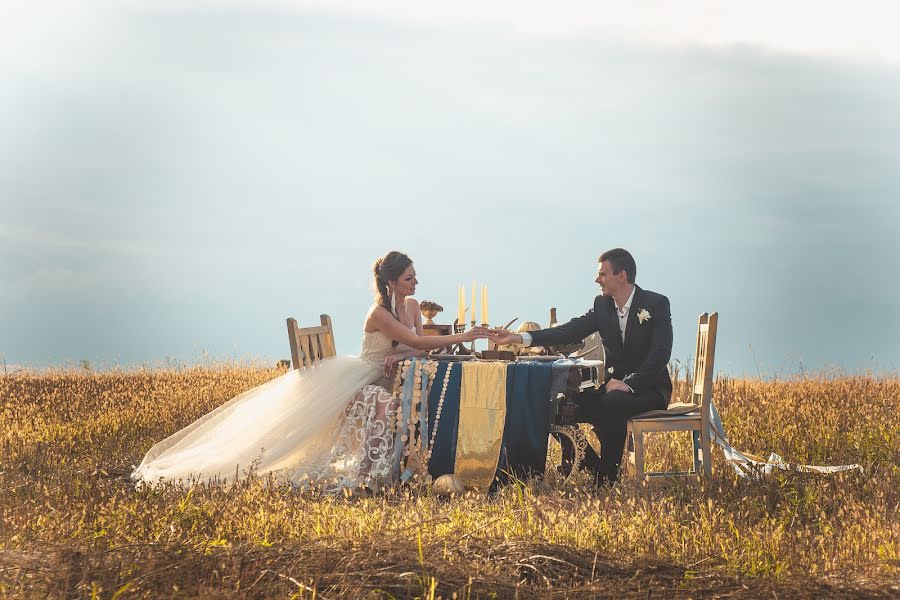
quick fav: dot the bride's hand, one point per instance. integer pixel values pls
(476, 333)
(390, 361)
(501, 337)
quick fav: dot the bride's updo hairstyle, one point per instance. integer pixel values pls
(389, 267)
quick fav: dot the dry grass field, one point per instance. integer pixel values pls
(73, 526)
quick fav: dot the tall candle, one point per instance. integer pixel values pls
(474, 319)
(461, 312)
(486, 318)
(483, 304)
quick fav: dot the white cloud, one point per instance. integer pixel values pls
(864, 29)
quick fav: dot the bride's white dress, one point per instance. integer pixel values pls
(327, 426)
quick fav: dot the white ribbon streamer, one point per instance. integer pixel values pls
(749, 466)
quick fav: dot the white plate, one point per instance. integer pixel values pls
(539, 358)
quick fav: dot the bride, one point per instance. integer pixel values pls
(328, 426)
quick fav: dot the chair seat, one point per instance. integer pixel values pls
(677, 423)
(677, 409)
(673, 418)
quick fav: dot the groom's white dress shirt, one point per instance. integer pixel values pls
(621, 313)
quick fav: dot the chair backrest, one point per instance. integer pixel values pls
(704, 357)
(309, 345)
(594, 341)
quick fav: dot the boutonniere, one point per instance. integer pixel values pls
(643, 315)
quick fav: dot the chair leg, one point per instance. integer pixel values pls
(639, 452)
(707, 453)
(695, 438)
(628, 463)
(576, 460)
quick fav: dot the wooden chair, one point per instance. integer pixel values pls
(693, 416)
(309, 345)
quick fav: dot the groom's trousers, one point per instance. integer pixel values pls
(608, 413)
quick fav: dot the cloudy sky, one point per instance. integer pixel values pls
(176, 178)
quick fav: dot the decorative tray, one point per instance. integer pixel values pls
(452, 356)
(496, 355)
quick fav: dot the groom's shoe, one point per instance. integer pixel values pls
(604, 480)
(603, 483)
(591, 462)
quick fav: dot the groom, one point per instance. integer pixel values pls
(636, 328)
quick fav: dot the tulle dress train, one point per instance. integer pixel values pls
(327, 427)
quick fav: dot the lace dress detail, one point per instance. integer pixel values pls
(363, 451)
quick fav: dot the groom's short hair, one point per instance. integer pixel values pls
(620, 259)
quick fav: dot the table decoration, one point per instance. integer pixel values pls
(482, 414)
(454, 357)
(430, 310)
(496, 355)
(447, 485)
(413, 381)
(437, 418)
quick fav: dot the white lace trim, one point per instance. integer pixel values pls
(362, 454)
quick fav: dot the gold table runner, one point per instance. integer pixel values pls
(482, 415)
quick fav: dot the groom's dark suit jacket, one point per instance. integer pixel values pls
(642, 360)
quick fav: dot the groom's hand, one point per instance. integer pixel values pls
(502, 336)
(617, 385)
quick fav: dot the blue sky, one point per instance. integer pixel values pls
(177, 178)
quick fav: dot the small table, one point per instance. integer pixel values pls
(533, 392)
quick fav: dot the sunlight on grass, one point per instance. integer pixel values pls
(72, 524)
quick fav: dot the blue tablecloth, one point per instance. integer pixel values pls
(529, 412)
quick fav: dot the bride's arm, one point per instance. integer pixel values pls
(385, 322)
(391, 360)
